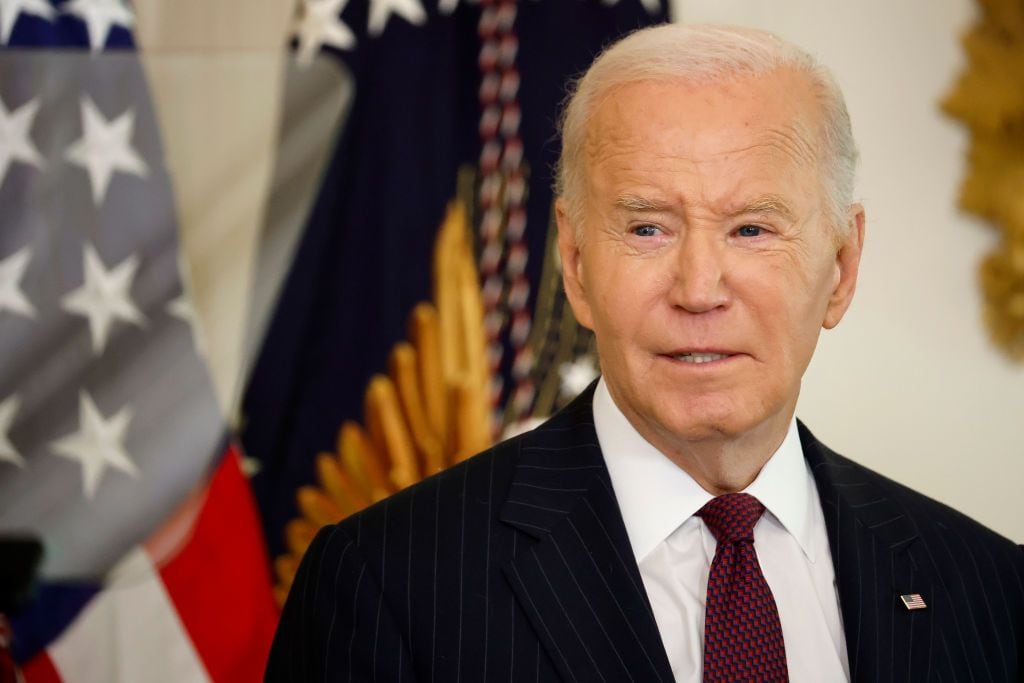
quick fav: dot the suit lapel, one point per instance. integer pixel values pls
(870, 538)
(579, 584)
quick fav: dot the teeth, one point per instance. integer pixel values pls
(701, 357)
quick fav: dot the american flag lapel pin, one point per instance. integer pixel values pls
(913, 601)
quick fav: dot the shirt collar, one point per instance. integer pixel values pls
(785, 486)
(655, 496)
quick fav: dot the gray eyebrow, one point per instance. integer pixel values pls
(632, 202)
(764, 204)
(769, 204)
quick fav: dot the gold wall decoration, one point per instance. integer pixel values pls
(428, 412)
(989, 98)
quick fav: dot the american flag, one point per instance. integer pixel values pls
(913, 601)
(112, 443)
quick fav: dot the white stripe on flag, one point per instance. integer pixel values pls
(129, 632)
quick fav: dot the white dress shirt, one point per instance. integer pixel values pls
(674, 549)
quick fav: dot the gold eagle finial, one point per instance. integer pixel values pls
(430, 410)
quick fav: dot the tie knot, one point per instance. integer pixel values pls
(731, 518)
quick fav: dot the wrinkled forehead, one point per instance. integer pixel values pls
(776, 115)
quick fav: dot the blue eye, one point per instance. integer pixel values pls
(646, 231)
(750, 231)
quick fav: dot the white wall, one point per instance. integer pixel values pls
(908, 384)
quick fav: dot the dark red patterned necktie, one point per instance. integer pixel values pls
(742, 632)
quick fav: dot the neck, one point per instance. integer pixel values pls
(722, 463)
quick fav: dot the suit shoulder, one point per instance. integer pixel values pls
(484, 476)
(930, 515)
(469, 487)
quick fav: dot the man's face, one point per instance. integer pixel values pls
(707, 265)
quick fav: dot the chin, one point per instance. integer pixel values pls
(696, 422)
(697, 430)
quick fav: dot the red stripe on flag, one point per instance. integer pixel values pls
(40, 669)
(220, 581)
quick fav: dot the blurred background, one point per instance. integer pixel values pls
(263, 263)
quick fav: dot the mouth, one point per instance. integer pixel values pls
(701, 357)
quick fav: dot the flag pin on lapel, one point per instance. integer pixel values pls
(913, 601)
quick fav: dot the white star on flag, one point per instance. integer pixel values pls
(104, 296)
(12, 269)
(105, 147)
(381, 11)
(577, 375)
(8, 453)
(97, 444)
(99, 16)
(251, 467)
(182, 308)
(15, 143)
(11, 9)
(321, 25)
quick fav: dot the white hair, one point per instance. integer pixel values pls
(701, 54)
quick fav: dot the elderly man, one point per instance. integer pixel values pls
(675, 521)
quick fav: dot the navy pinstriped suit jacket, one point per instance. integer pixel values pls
(515, 566)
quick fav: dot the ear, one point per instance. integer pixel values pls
(572, 266)
(847, 266)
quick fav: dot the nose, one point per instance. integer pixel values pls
(699, 285)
